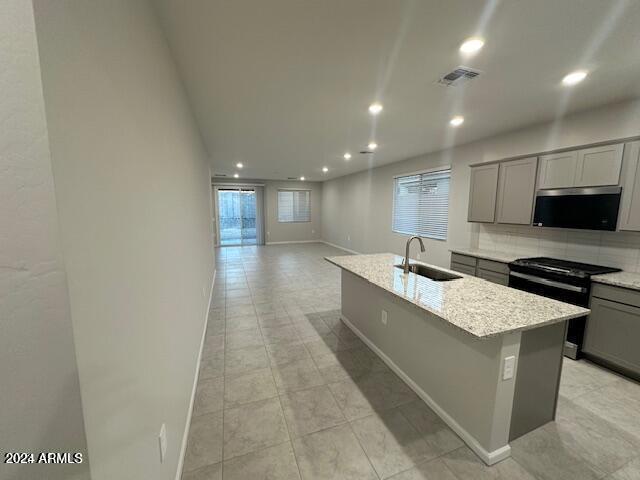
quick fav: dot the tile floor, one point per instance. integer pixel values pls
(286, 391)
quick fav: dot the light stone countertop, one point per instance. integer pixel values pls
(476, 306)
(504, 257)
(628, 280)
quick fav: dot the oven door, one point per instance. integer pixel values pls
(563, 292)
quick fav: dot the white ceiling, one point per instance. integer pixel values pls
(284, 85)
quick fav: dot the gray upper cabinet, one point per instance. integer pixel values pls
(599, 166)
(629, 217)
(482, 193)
(516, 188)
(589, 167)
(504, 192)
(557, 170)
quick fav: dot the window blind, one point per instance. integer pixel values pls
(421, 204)
(294, 206)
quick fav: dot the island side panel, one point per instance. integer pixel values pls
(538, 380)
(459, 375)
(505, 393)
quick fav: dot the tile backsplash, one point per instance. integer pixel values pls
(613, 249)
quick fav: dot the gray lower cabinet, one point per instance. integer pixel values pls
(464, 264)
(464, 259)
(462, 268)
(496, 272)
(499, 278)
(613, 329)
(492, 271)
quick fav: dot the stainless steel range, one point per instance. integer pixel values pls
(562, 280)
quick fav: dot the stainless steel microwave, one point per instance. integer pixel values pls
(594, 208)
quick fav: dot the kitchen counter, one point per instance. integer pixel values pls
(475, 306)
(486, 358)
(628, 280)
(504, 257)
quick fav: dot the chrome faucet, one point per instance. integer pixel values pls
(405, 264)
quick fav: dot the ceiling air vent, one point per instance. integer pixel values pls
(292, 178)
(219, 174)
(366, 152)
(458, 76)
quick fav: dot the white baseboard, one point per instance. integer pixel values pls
(294, 241)
(341, 248)
(487, 457)
(185, 435)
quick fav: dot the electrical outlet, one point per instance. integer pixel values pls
(384, 317)
(508, 367)
(162, 441)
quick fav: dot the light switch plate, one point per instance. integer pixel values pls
(508, 367)
(384, 317)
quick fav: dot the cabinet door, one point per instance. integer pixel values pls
(482, 193)
(459, 267)
(599, 166)
(499, 278)
(630, 209)
(516, 190)
(612, 333)
(557, 170)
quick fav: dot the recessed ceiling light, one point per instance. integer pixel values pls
(574, 77)
(325, 169)
(372, 145)
(375, 108)
(471, 45)
(302, 178)
(235, 175)
(347, 156)
(457, 121)
(239, 165)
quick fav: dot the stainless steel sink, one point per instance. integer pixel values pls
(432, 273)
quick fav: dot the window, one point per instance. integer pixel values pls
(421, 204)
(293, 206)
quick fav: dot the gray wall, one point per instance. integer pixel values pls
(132, 185)
(41, 406)
(356, 209)
(287, 232)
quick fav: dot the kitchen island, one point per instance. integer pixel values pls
(486, 358)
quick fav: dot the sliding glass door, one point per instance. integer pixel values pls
(236, 216)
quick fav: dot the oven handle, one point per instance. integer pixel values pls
(549, 283)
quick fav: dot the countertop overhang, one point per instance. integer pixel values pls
(478, 307)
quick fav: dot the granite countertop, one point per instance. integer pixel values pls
(628, 280)
(504, 257)
(619, 279)
(475, 306)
